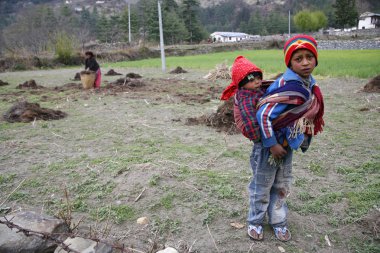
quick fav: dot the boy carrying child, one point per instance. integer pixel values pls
(288, 114)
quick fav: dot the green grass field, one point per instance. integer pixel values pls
(333, 63)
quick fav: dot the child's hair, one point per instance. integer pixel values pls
(90, 53)
(250, 77)
(301, 41)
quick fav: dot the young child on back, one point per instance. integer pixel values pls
(288, 114)
(247, 87)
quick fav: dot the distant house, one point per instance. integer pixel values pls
(369, 20)
(228, 36)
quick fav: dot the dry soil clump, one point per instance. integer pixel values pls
(112, 72)
(27, 112)
(178, 70)
(134, 75)
(373, 85)
(2, 83)
(222, 119)
(31, 84)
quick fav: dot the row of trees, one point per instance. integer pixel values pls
(41, 28)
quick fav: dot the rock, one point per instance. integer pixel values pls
(142, 220)
(281, 249)
(237, 225)
(13, 241)
(84, 246)
(168, 250)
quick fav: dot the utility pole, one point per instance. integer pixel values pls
(129, 23)
(289, 24)
(161, 37)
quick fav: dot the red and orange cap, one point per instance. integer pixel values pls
(301, 41)
(240, 69)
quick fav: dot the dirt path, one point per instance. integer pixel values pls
(116, 142)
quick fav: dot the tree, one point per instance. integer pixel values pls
(255, 24)
(276, 23)
(30, 32)
(303, 21)
(319, 20)
(307, 21)
(346, 13)
(134, 23)
(190, 10)
(174, 28)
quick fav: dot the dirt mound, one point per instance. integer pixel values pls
(2, 83)
(371, 223)
(27, 112)
(128, 82)
(112, 72)
(77, 77)
(69, 86)
(178, 70)
(373, 85)
(31, 84)
(222, 119)
(133, 75)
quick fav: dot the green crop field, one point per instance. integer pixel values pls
(333, 63)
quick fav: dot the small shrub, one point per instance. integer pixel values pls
(64, 48)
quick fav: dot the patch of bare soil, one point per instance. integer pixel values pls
(112, 72)
(178, 70)
(2, 83)
(222, 119)
(68, 86)
(373, 85)
(190, 98)
(31, 84)
(27, 112)
(371, 223)
(130, 82)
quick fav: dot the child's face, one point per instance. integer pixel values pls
(303, 62)
(253, 84)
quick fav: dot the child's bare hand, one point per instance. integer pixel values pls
(278, 151)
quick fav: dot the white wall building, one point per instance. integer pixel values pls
(369, 20)
(228, 36)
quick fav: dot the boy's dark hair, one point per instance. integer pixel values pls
(90, 53)
(250, 77)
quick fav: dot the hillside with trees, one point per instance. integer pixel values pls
(35, 26)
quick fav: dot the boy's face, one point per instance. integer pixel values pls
(253, 84)
(303, 62)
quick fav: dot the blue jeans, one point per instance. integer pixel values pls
(269, 187)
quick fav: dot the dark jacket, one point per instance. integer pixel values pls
(91, 64)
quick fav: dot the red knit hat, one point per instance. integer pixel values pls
(240, 69)
(301, 41)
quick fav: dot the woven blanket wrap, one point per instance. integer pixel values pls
(307, 114)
